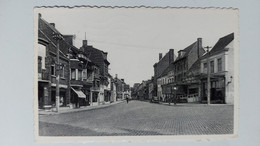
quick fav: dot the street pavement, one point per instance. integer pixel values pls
(141, 118)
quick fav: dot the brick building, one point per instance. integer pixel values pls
(99, 58)
(127, 91)
(142, 91)
(112, 89)
(183, 63)
(134, 90)
(81, 75)
(161, 65)
(193, 82)
(150, 88)
(165, 82)
(48, 69)
(121, 88)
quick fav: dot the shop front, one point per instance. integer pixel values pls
(107, 95)
(43, 95)
(78, 98)
(193, 93)
(217, 91)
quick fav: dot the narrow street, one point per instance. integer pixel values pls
(141, 118)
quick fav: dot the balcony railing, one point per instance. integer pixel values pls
(62, 80)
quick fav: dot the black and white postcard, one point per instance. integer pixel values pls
(135, 73)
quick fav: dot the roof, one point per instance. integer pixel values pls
(186, 50)
(167, 70)
(49, 25)
(195, 66)
(47, 36)
(220, 45)
(100, 52)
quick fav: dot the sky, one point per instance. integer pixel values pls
(134, 37)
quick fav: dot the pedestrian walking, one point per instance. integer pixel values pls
(127, 100)
(175, 100)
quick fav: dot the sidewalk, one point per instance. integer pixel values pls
(189, 104)
(63, 110)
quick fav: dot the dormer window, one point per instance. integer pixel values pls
(181, 53)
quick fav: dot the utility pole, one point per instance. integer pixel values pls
(208, 76)
(57, 37)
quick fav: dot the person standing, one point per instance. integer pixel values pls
(175, 99)
(127, 100)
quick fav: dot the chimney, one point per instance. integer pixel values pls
(116, 76)
(53, 24)
(171, 55)
(199, 46)
(160, 56)
(85, 43)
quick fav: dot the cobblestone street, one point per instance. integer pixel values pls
(141, 118)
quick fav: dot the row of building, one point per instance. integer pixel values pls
(83, 73)
(185, 75)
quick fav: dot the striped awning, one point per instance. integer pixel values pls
(79, 93)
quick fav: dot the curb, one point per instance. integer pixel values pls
(186, 104)
(79, 110)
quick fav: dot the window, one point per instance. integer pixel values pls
(96, 71)
(63, 72)
(73, 74)
(39, 64)
(85, 74)
(80, 75)
(211, 66)
(97, 83)
(42, 54)
(205, 66)
(53, 70)
(219, 64)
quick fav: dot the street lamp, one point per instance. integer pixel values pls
(230, 80)
(57, 37)
(175, 98)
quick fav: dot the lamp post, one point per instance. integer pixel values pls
(208, 76)
(175, 95)
(57, 37)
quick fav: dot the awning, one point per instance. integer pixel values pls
(79, 93)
